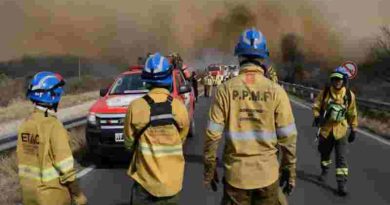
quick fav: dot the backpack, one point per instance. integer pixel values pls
(160, 115)
(337, 112)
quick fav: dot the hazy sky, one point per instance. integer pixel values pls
(355, 19)
(110, 28)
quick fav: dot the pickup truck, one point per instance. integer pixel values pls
(104, 131)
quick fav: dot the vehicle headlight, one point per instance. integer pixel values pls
(92, 118)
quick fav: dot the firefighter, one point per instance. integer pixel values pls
(255, 115)
(140, 61)
(219, 79)
(46, 172)
(176, 60)
(194, 82)
(334, 109)
(208, 85)
(272, 75)
(155, 129)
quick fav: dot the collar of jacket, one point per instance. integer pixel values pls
(43, 110)
(159, 91)
(246, 68)
(338, 92)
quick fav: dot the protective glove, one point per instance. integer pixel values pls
(286, 183)
(352, 136)
(78, 197)
(214, 182)
(316, 121)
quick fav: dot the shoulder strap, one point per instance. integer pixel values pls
(170, 99)
(148, 99)
(324, 95)
(348, 97)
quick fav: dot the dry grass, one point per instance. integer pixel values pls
(9, 184)
(19, 108)
(10, 90)
(379, 127)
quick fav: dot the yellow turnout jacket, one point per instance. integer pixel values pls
(45, 160)
(158, 162)
(255, 116)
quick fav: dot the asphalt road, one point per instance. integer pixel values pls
(369, 179)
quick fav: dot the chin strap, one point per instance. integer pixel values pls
(46, 110)
(248, 61)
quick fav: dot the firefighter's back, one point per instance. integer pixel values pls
(38, 176)
(250, 156)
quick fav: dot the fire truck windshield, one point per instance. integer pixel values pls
(214, 68)
(128, 84)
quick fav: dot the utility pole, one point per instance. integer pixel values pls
(79, 69)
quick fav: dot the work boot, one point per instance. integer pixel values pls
(341, 189)
(324, 175)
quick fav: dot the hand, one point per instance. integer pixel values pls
(79, 199)
(77, 195)
(286, 182)
(288, 189)
(316, 122)
(215, 181)
(213, 184)
(352, 136)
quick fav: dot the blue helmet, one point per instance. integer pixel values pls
(342, 70)
(46, 88)
(157, 71)
(252, 43)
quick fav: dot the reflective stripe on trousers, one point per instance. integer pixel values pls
(342, 171)
(326, 163)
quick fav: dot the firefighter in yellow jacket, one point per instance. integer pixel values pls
(208, 85)
(45, 160)
(334, 110)
(272, 75)
(155, 130)
(256, 116)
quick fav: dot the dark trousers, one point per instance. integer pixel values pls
(195, 86)
(208, 90)
(325, 147)
(139, 196)
(261, 196)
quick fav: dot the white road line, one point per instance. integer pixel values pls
(373, 136)
(85, 171)
(300, 104)
(370, 135)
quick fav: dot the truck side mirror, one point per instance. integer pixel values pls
(103, 92)
(184, 89)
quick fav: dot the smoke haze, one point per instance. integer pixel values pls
(195, 28)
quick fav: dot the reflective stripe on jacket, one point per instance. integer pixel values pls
(45, 160)
(339, 129)
(256, 116)
(159, 158)
(208, 80)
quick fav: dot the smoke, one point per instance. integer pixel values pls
(201, 31)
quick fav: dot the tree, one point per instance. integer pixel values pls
(379, 58)
(292, 55)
